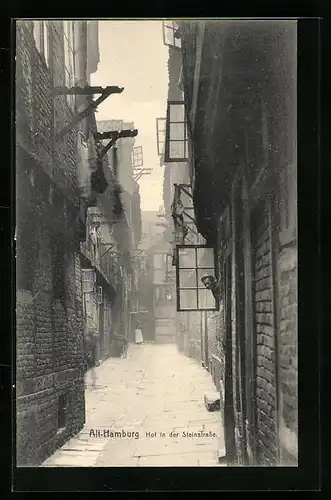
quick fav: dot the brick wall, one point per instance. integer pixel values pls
(49, 338)
(288, 354)
(38, 113)
(265, 341)
(174, 67)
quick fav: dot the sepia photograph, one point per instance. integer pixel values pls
(156, 243)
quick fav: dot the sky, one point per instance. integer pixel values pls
(133, 56)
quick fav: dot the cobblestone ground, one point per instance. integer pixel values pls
(154, 390)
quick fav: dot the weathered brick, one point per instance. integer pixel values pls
(45, 327)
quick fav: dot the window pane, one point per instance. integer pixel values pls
(177, 113)
(206, 299)
(188, 299)
(205, 257)
(204, 272)
(177, 131)
(186, 257)
(169, 35)
(187, 278)
(186, 149)
(176, 149)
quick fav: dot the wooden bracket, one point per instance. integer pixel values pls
(113, 136)
(105, 92)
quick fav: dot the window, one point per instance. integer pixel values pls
(171, 34)
(160, 134)
(69, 59)
(41, 36)
(192, 263)
(137, 157)
(88, 280)
(176, 138)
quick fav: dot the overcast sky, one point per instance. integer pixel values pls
(133, 56)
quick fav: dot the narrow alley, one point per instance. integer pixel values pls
(154, 390)
(156, 243)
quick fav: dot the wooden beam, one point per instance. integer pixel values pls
(189, 216)
(80, 116)
(114, 133)
(185, 191)
(87, 90)
(108, 146)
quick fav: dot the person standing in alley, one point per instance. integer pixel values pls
(92, 356)
(138, 334)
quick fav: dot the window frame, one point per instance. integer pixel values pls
(137, 153)
(161, 151)
(171, 27)
(90, 289)
(168, 140)
(196, 288)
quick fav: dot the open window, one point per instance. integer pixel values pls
(137, 157)
(182, 211)
(176, 139)
(171, 36)
(193, 262)
(160, 134)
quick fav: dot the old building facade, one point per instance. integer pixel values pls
(240, 108)
(59, 175)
